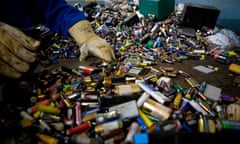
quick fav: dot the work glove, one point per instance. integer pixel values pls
(16, 51)
(90, 43)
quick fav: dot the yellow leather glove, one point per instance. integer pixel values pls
(90, 43)
(16, 51)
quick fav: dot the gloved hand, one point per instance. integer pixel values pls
(16, 51)
(90, 43)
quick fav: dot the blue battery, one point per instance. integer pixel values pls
(141, 123)
(141, 138)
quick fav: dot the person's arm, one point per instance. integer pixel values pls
(18, 50)
(57, 15)
(66, 19)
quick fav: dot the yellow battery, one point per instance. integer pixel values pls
(36, 115)
(89, 117)
(48, 109)
(234, 68)
(212, 126)
(143, 64)
(107, 81)
(177, 100)
(206, 125)
(51, 104)
(201, 124)
(146, 120)
(119, 73)
(46, 139)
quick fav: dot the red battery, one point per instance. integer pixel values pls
(78, 129)
(87, 69)
(78, 116)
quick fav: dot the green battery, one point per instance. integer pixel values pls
(160, 8)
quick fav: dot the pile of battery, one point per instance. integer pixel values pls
(125, 100)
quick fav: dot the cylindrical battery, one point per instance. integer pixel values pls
(234, 68)
(126, 90)
(132, 130)
(101, 117)
(156, 109)
(222, 59)
(78, 129)
(108, 126)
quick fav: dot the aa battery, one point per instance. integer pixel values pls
(89, 97)
(108, 126)
(156, 109)
(59, 126)
(48, 109)
(73, 96)
(153, 92)
(145, 119)
(132, 130)
(78, 129)
(234, 68)
(222, 59)
(69, 116)
(27, 116)
(206, 125)
(141, 123)
(50, 117)
(47, 139)
(34, 108)
(88, 69)
(126, 90)
(101, 117)
(78, 113)
(142, 99)
(107, 81)
(192, 82)
(44, 125)
(89, 117)
(155, 28)
(177, 100)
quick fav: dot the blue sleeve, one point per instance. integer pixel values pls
(57, 15)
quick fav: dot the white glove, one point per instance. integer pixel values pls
(90, 43)
(16, 51)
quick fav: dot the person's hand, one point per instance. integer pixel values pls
(90, 43)
(16, 51)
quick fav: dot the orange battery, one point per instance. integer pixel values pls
(234, 68)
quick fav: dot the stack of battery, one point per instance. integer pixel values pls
(130, 98)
